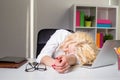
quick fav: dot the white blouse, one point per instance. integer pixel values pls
(52, 45)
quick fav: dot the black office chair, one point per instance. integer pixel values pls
(42, 38)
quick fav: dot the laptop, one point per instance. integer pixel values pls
(106, 55)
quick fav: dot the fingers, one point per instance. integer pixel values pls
(61, 65)
(61, 69)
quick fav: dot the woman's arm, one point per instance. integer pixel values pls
(52, 44)
(47, 60)
(72, 60)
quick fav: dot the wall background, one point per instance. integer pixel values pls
(13, 27)
(14, 38)
(55, 13)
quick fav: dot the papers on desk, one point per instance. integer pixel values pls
(12, 62)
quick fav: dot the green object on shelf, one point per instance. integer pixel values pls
(108, 37)
(89, 20)
(82, 19)
(88, 23)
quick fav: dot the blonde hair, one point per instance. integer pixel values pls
(85, 47)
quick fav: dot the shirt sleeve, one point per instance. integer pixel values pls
(52, 44)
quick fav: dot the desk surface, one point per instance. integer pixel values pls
(77, 73)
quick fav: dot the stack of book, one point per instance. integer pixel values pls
(80, 20)
(104, 23)
(99, 39)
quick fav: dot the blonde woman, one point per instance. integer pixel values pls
(65, 49)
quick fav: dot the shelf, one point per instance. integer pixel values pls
(106, 17)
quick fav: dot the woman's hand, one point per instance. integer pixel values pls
(61, 64)
(64, 62)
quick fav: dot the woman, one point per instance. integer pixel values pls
(65, 49)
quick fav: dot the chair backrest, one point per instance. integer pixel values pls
(42, 38)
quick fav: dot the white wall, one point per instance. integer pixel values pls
(55, 13)
(119, 21)
(13, 27)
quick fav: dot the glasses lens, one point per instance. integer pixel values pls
(41, 67)
(30, 67)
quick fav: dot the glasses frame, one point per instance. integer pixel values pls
(34, 66)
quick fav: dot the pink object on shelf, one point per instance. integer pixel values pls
(77, 18)
(103, 21)
(101, 40)
(118, 62)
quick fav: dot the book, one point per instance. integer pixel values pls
(12, 62)
(98, 40)
(82, 19)
(104, 25)
(101, 39)
(103, 21)
(77, 18)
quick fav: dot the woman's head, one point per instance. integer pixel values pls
(82, 44)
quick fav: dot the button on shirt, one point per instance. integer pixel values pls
(52, 46)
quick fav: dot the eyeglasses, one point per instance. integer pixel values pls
(30, 67)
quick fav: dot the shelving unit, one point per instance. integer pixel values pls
(100, 13)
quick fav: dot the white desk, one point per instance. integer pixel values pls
(104, 73)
